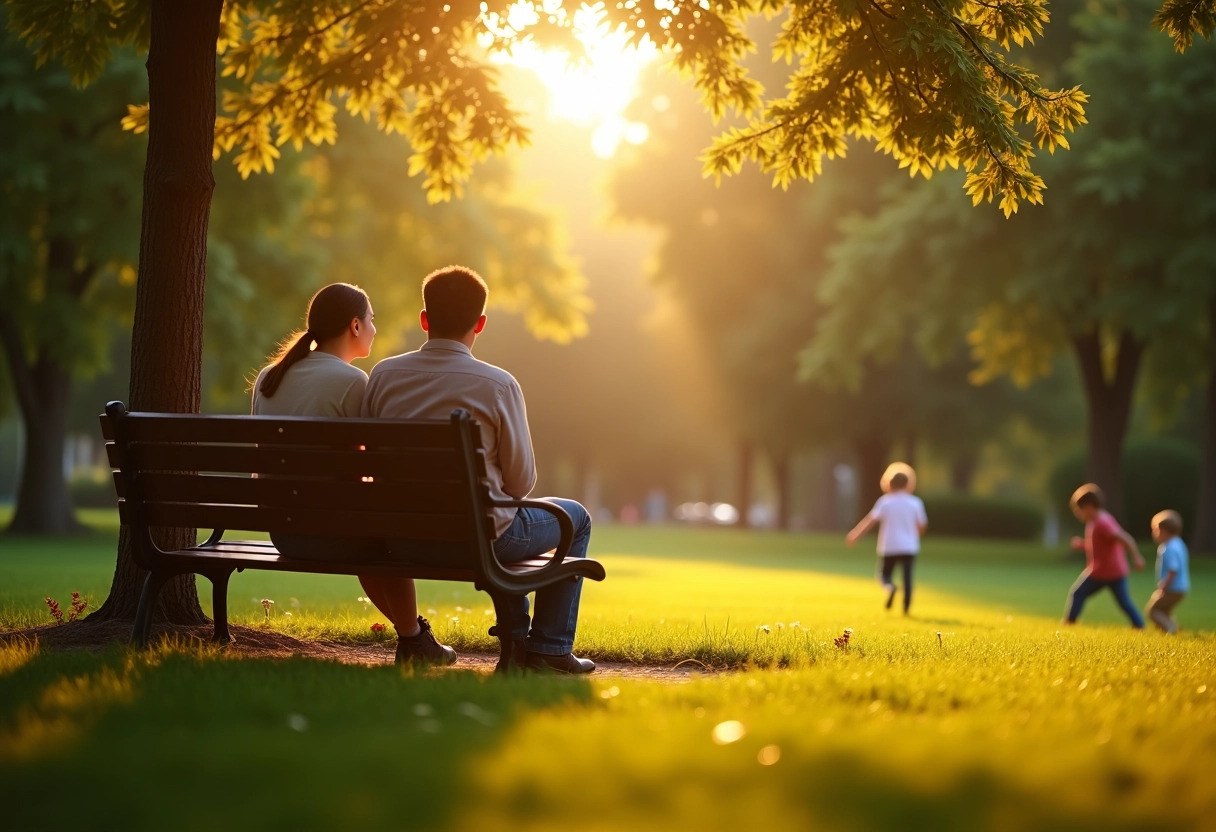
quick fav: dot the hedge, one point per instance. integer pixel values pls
(1158, 473)
(965, 515)
(93, 490)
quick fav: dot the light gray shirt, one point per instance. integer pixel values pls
(320, 384)
(443, 375)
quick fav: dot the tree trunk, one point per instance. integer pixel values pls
(782, 473)
(744, 490)
(167, 338)
(1108, 404)
(962, 470)
(910, 456)
(44, 387)
(1204, 538)
(873, 454)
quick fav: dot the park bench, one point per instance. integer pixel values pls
(421, 481)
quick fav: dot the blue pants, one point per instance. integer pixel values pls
(532, 533)
(1088, 585)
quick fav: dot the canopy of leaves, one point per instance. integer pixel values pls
(1125, 245)
(932, 84)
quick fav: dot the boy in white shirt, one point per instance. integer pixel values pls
(901, 521)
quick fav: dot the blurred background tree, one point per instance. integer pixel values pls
(1116, 268)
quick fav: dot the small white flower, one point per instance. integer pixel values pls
(764, 628)
(287, 614)
(432, 612)
(297, 722)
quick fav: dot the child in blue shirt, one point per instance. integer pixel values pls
(1173, 576)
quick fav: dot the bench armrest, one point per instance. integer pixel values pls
(556, 569)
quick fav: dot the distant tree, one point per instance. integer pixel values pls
(69, 207)
(746, 261)
(1119, 260)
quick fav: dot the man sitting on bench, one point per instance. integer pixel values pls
(428, 384)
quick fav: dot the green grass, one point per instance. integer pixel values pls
(1009, 721)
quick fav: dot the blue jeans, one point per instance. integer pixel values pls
(532, 533)
(1088, 585)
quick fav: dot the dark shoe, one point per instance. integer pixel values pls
(423, 648)
(891, 595)
(568, 663)
(512, 654)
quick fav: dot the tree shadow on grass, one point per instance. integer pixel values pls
(190, 740)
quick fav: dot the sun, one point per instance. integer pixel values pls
(595, 92)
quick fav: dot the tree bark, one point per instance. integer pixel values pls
(1108, 403)
(1204, 539)
(167, 337)
(44, 387)
(744, 490)
(873, 454)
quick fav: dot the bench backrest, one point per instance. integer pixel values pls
(421, 480)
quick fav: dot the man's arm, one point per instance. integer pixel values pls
(515, 454)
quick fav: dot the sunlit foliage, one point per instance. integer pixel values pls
(933, 84)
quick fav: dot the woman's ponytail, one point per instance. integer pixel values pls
(329, 313)
(292, 349)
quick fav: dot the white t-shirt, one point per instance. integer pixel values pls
(900, 516)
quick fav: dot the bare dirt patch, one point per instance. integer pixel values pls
(251, 642)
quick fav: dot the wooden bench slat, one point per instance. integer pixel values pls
(289, 430)
(325, 523)
(431, 465)
(420, 497)
(256, 554)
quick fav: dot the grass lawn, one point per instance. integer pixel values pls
(979, 712)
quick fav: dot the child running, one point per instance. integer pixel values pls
(1105, 545)
(901, 520)
(1173, 573)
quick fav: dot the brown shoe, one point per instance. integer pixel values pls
(568, 663)
(423, 648)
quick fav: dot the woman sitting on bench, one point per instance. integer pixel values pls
(305, 381)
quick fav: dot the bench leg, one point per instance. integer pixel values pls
(147, 605)
(219, 606)
(512, 652)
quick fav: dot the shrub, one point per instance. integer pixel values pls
(93, 489)
(1158, 473)
(965, 515)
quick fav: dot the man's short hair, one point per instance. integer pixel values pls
(1168, 521)
(454, 298)
(899, 480)
(1088, 495)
